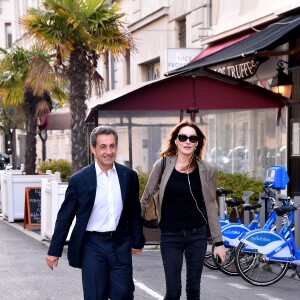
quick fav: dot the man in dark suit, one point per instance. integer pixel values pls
(104, 197)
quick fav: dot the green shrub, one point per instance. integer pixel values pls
(239, 182)
(61, 165)
(143, 178)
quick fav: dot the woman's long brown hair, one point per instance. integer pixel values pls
(169, 148)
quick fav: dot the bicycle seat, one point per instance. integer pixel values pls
(281, 210)
(222, 191)
(284, 198)
(234, 202)
(251, 206)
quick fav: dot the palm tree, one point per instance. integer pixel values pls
(11, 119)
(27, 77)
(79, 32)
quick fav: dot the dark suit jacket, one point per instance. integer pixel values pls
(79, 201)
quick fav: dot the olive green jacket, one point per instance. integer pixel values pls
(208, 181)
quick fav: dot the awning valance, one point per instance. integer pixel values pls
(267, 39)
(56, 120)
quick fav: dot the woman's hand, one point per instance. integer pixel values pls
(221, 252)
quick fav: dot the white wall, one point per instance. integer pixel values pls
(229, 14)
(154, 29)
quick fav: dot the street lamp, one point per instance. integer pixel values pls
(282, 82)
(43, 137)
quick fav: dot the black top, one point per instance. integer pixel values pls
(179, 210)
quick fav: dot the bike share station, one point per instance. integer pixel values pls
(276, 179)
(263, 249)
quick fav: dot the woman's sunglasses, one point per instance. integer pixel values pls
(183, 138)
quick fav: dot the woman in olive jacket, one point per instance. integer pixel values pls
(188, 204)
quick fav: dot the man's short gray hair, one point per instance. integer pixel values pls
(102, 129)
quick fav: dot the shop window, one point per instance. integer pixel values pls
(8, 35)
(152, 70)
(236, 141)
(295, 139)
(182, 33)
(127, 61)
(106, 65)
(145, 144)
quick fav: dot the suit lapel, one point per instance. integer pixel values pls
(91, 178)
(122, 175)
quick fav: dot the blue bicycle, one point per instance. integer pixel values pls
(222, 194)
(264, 256)
(232, 233)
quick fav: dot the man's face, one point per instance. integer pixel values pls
(105, 151)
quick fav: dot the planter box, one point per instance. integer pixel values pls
(2, 172)
(52, 196)
(13, 192)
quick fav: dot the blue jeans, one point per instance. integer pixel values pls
(192, 243)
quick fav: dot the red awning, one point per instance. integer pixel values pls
(57, 120)
(204, 90)
(214, 48)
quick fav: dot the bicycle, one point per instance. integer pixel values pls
(221, 194)
(234, 232)
(264, 256)
(231, 234)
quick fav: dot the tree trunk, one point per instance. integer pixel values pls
(13, 140)
(78, 92)
(30, 102)
(30, 155)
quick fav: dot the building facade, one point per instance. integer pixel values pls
(169, 34)
(237, 140)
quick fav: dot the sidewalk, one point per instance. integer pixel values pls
(24, 273)
(23, 270)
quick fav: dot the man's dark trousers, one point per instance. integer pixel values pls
(107, 268)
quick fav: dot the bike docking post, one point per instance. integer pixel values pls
(278, 221)
(262, 210)
(277, 179)
(222, 206)
(246, 197)
(297, 221)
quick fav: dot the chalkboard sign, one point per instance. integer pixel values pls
(32, 211)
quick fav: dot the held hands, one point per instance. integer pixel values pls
(52, 261)
(136, 251)
(220, 251)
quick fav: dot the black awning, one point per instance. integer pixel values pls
(269, 38)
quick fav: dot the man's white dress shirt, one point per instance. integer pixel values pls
(108, 202)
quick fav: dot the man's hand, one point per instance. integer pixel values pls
(136, 251)
(52, 261)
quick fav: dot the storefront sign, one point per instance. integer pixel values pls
(241, 69)
(177, 58)
(32, 211)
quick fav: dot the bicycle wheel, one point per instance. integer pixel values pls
(228, 267)
(209, 260)
(255, 269)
